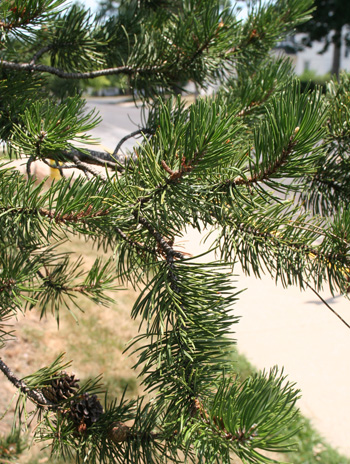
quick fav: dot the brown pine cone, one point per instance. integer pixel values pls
(85, 410)
(61, 388)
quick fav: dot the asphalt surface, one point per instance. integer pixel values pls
(119, 118)
(284, 327)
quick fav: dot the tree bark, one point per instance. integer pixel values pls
(336, 53)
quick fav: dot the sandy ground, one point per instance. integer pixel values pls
(294, 329)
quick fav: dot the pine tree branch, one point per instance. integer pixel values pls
(59, 166)
(330, 183)
(35, 395)
(144, 131)
(86, 169)
(204, 46)
(164, 245)
(40, 53)
(254, 104)
(63, 288)
(308, 250)
(174, 177)
(77, 165)
(269, 171)
(76, 217)
(127, 70)
(22, 21)
(28, 166)
(121, 433)
(184, 168)
(98, 158)
(158, 189)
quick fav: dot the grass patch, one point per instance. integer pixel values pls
(119, 384)
(312, 448)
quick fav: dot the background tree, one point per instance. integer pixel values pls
(330, 24)
(219, 164)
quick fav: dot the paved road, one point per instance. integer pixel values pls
(119, 120)
(278, 326)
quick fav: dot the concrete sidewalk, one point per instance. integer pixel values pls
(294, 329)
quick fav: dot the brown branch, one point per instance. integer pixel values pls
(59, 166)
(86, 169)
(176, 175)
(97, 158)
(163, 244)
(128, 70)
(39, 53)
(28, 166)
(35, 395)
(264, 175)
(144, 131)
(166, 168)
(74, 216)
(184, 168)
(217, 424)
(79, 288)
